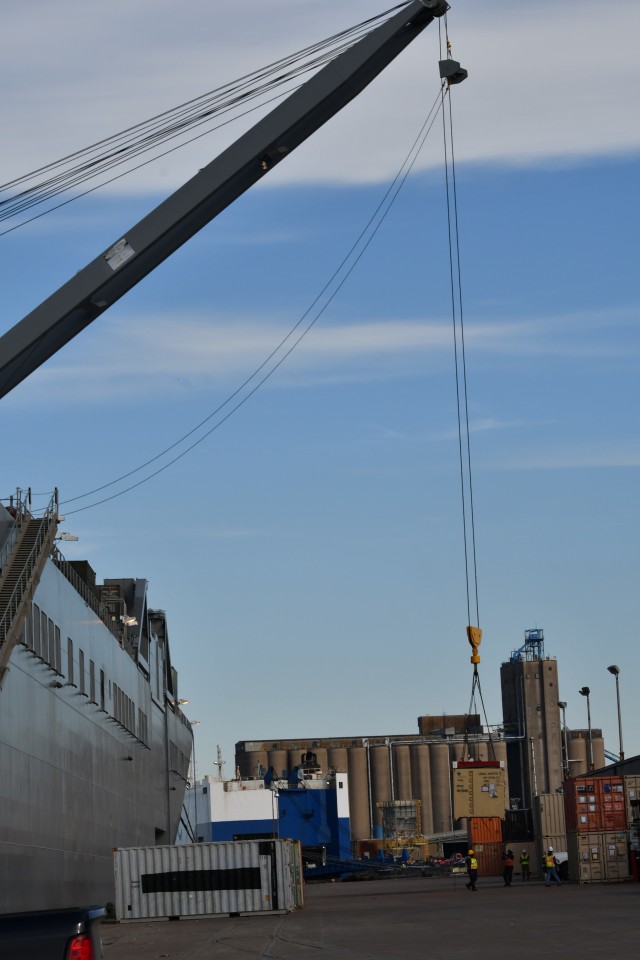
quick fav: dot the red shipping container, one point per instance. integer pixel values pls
(489, 857)
(594, 804)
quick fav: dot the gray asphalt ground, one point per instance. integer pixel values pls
(398, 919)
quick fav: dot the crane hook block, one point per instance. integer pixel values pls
(452, 72)
(474, 635)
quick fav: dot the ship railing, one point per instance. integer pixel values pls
(85, 591)
(18, 509)
(23, 580)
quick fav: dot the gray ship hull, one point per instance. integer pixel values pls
(94, 752)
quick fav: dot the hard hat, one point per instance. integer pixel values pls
(550, 850)
(524, 851)
(470, 852)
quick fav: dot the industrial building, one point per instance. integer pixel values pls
(533, 746)
(540, 754)
(380, 769)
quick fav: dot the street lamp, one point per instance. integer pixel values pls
(563, 706)
(616, 672)
(585, 691)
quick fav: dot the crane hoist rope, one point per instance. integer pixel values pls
(450, 73)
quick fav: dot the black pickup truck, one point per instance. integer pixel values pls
(70, 934)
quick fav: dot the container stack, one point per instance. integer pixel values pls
(550, 828)
(597, 813)
(485, 839)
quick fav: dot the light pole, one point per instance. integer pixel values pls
(616, 672)
(585, 691)
(563, 706)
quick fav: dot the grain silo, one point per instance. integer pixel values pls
(578, 763)
(599, 759)
(380, 775)
(294, 756)
(338, 760)
(458, 751)
(278, 759)
(322, 757)
(358, 782)
(253, 763)
(401, 772)
(440, 786)
(421, 783)
(500, 753)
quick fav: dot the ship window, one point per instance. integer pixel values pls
(102, 689)
(69, 659)
(92, 681)
(44, 636)
(81, 671)
(28, 630)
(51, 658)
(36, 630)
(57, 664)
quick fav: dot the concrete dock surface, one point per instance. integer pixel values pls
(407, 918)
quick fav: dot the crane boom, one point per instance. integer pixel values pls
(60, 317)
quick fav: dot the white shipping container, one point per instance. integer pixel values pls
(598, 857)
(632, 799)
(208, 879)
(548, 815)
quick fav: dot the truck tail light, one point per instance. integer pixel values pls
(80, 948)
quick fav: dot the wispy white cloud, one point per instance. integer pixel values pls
(185, 352)
(544, 85)
(599, 453)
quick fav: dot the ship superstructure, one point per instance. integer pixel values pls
(94, 750)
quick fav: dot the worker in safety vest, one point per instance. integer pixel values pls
(507, 873)
(472, 870)
(524, 865)
(551, 866)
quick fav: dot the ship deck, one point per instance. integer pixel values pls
(401, 919)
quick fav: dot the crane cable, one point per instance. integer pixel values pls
(205, 113)
(286, 346)
(474, 633)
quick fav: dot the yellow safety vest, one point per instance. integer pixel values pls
(550, 860)
(473, 863)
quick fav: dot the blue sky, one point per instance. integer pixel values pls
(309, 552)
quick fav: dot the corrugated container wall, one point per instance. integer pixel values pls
(632, 798)
(549, 815)
(560, 844)
(594, 804)
(598, 857)
(484, 830)
(489, 857)
(208, 879)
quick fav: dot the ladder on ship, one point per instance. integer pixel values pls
(22, 560)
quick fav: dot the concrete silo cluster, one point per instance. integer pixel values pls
(380, 769)
(535, 750)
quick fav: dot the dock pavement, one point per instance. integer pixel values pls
(405, 919)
